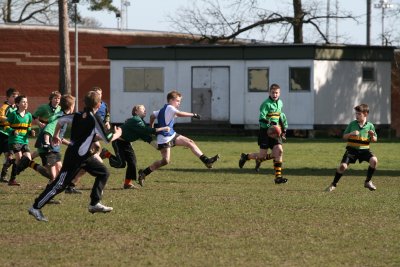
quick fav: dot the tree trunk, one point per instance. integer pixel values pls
(298, 22)
(65, 65)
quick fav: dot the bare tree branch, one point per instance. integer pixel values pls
(215, 22)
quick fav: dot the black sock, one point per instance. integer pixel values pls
(337, 178)
(147, 171)
(204, 158)
(370, 172)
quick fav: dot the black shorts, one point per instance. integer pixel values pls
(3, 143)
(15, 148)
(168, 144)
(265, 142)
(352, 155)
(50, 159)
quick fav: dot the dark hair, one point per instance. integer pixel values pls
(92, 99)
(274, 86)
(19, 98)
(173, 94)
(54, 94)
(67, 101)
(10, 91)
(362, 108)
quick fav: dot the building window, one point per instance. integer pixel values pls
(299, 79)
(143, 80)
(368, 74)
(258, 79)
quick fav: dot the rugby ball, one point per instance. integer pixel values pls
(274, 131)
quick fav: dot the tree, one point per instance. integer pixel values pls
(34, 11)
(216, 22)
(45, 12)
(65, 64)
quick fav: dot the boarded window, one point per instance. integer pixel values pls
(258, 79)
(299, 79)
(368, 74)
(143, 80)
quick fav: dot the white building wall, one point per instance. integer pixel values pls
(336, 88)
(298, 106)
(339, 88)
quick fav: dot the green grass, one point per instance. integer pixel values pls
(187, 215)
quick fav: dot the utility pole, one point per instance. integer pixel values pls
(383, 4)
(368, 22)
(328, 14)
(124, 14)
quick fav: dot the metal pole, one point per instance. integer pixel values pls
(76, 60)
(328, 11)
(368, 22)
(383, 25)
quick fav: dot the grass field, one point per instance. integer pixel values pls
(187, 215)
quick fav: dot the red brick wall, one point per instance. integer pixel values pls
(29, 58)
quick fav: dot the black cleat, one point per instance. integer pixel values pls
(242, 160)
(211, 161)
(141, 177)
(280, 180)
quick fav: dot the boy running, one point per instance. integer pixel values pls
(86, 129)
(270, 114)
(167, 139)
(5, 109)
(20, 122)
(359, 133)
(50, 155)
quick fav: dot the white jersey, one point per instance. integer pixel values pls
(170, 114)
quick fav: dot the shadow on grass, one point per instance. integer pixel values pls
(289, 171)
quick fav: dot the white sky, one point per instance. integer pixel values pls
(153, 15)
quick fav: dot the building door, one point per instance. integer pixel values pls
(210, 92)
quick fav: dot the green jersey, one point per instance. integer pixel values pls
(135, 128)
(5, 109)
(362, 140)
(46, 113)
(270, 110)
(21, 126)
(49, 130)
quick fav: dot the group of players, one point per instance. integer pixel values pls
(83, 153)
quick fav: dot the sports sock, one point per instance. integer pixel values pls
(370, 172)
(204, 158)
(147, 171)
(278, 169)
(336, 178)
(267, 157)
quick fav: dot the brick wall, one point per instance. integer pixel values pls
(29, 58)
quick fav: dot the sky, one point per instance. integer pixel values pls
(153, 15)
